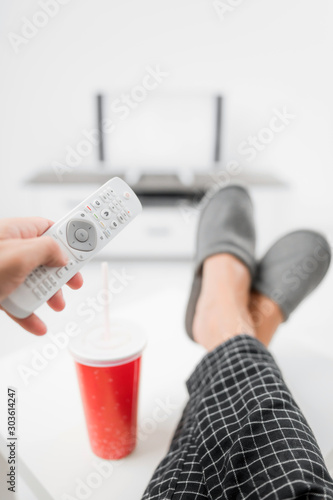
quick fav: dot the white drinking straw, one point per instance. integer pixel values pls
(105, 276)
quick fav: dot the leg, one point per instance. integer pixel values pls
(266, 316)
(241, 434)
(222, 308)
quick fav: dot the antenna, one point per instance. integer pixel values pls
(218, 128)
(101, 156)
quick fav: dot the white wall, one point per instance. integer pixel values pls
(263, 55)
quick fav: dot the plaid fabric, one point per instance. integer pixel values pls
(241, 436)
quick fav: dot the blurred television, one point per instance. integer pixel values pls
(166, 133)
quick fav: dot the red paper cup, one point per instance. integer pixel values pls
(108, 373)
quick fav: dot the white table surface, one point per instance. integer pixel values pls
(53, 441)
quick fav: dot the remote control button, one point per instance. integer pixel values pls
(121, 218)
(114, 224)
(120, 201)
(33, 278)
(107, 233)
(104, 196)
(38, 294)
(116, 205)
(43, 269)
(97, 203)
(96, 216)
(68, 266)
(52, 280)
(112, 191)
(28, 283)
(108, 194)
(129, 213)
(81, 235)
(42, 289)
(124, 214)
(38, 273)
(47, 284)
(113, 208)
(127, 195)
(106, 213)
(103, 226)
(60, 273)
(88, 209)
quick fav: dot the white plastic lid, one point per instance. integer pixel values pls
(91, 348)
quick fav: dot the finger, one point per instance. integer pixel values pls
(31, 324)
(24, 227)
(76, 282)
(57, 302)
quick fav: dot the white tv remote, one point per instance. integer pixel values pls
(81, 234)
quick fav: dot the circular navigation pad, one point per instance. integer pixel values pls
(81, 235)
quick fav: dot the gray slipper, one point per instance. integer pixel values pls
(226, 226)
(292, 268)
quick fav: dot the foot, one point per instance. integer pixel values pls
(292, 269)
(222, 308)
(226, 227)
(266, 317)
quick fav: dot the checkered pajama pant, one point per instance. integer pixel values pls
(241, 436)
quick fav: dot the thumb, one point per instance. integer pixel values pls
(20, 257)
(43, 251)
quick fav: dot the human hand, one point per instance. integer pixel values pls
(21, 251)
